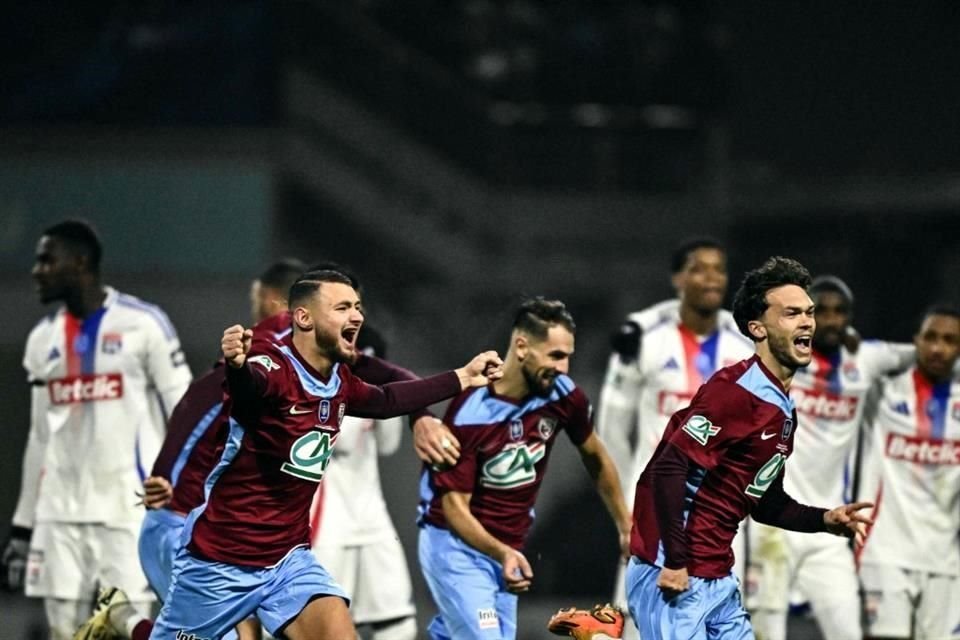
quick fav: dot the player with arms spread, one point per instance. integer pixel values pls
(476, 515)
(721, 459)
(247, 548)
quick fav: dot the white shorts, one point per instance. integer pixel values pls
(70, 561)
(822, 570)
(895, 597)
(375, 577)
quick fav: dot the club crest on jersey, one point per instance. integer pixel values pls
(264, 361)
(111, 343)
(516, 429)
(341, 411)
(851, 372)
(323, 413)
(787, 429)
(546, 427)
(700, 429)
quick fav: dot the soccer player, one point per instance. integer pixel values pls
(246, 547)
(476, 515)
(721, 459)
(910, 564)
(661, 357)
(102, 370)
(830, 395)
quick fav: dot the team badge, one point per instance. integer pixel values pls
(516, 429)
(546, 427)
(324, 411)
(851, 372)
(112, 343)
(341, 411)
(787, 429)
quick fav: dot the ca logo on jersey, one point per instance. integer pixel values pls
(264, 361)
(766, 475)
(513, 467)
(309, 456)
(700, 429)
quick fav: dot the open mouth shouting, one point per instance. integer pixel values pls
(803, 344)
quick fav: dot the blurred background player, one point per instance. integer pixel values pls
(910, 564)
(476, 515)
(830, 395)
(353, 535)
(662, 356)
(721, 459)
(102, 369)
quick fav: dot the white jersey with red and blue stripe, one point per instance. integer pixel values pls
(916, 459)
(830, 395)
(640, 395)
(101, 389)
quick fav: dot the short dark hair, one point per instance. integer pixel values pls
(682, 253)
(330, 265)
(750, 302)
(308, 283)
(80, 237)
(282, 274)
(940, 309)
(535, 316)
(832, 284)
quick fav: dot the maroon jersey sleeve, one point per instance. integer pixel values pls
(778, 509)
(398, 398)
(463, 475)
(580, 425)
(205, 392)
(374, 370)
(717, 417)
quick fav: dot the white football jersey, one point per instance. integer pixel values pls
(916, 455)
(100, 390)
(348, 508)
(639, 396)
(830, 395)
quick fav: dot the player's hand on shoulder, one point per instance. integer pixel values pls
(13, 561)
(516, 571)
(846, 520)
(673, 581)
(157, 492)
(434, 443)
(235, 345)
(482, 370)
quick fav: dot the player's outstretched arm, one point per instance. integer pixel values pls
(846, 520)
(481, 371)
(602, 469)
(235, 345)
(516, 570)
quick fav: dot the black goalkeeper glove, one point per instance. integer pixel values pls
(13, 562)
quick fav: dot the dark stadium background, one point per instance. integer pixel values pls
(462, 154)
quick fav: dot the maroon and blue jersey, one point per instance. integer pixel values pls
(284, 417)
(504, 448)
(737, 434)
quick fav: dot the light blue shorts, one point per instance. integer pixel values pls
(159, 543)
(468, 588)
(708, 610)
(207, 599)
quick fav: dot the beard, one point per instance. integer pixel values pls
(782, 349)
(329, 344)
(539, 382)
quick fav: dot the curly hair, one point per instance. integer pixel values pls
(750, 302)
